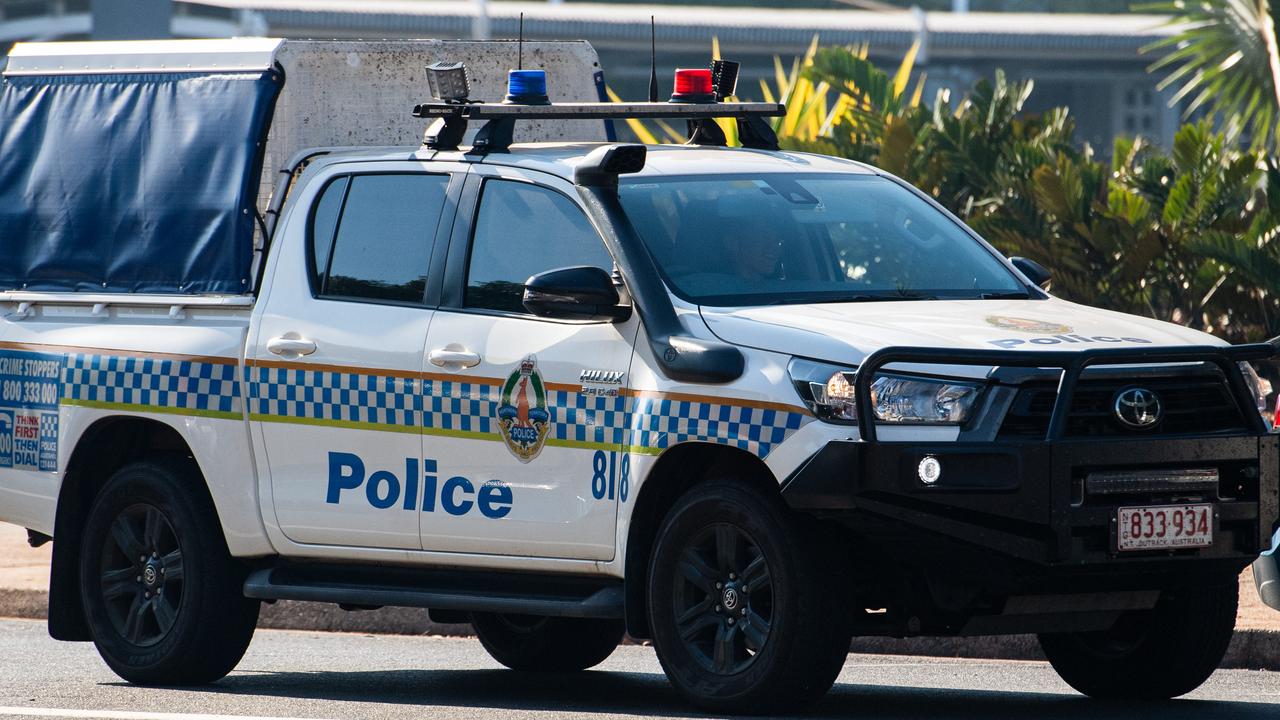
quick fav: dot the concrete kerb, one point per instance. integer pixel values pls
(1250, 649)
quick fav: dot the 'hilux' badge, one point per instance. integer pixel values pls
(601, 383)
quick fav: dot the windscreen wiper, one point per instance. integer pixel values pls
(1015, 295)
(883, 298)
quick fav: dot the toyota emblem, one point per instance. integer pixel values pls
(1138, 407)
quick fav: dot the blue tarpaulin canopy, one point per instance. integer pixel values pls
(142, 182)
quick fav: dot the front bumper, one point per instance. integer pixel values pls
(1025, 500)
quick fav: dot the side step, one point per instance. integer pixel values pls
(364, 585)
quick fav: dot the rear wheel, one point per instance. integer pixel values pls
(742, 619)
(1157, 654)
(162, 595)
(547, 644)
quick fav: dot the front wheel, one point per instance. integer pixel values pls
(1151, 655)
(163, 598)
(745, 609)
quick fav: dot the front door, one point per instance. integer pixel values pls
(526, 415)
(334, 370)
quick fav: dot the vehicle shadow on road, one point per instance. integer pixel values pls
(648, 694)
(889, 702)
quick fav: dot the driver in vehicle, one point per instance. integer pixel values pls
(757, 255)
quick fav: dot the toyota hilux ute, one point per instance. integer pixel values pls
(743, 402)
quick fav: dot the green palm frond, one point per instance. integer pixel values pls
(1224, 58)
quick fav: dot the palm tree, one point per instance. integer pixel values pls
(1224, 59)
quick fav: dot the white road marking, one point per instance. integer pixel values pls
(125, 714)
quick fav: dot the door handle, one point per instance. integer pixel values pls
(290, 346)
(453, 355)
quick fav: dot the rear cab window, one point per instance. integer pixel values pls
(372, 235)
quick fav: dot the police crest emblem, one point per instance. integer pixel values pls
(523, 417)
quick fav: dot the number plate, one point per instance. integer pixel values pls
(1166, 527)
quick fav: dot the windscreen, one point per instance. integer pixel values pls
(800, 238)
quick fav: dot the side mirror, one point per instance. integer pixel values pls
(1034, 271)
(575, 293)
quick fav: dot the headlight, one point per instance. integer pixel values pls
(829, 392)
(1259, 387)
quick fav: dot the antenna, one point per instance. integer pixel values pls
(520, 45)
(653, 60)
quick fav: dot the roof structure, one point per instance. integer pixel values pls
(989, 35)
(560, 159)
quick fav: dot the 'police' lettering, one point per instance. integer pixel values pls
(339, 480)
(494, 499)
(1007, 343)
(449, 495)
(376, 497)
(382, 490)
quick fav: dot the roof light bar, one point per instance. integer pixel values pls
(697, 100)
(451, 120)
(598, 111)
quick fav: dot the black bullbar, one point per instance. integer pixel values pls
(1027, 499)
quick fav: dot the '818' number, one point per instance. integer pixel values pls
(607, 479)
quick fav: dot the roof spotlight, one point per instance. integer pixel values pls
(724, 76)
(448, 82)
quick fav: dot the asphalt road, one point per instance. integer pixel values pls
(329, 675)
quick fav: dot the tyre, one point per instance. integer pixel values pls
(1152, 655)
(547, 644)
(163, 598)
(743, 605)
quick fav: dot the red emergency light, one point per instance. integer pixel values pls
(694, 86)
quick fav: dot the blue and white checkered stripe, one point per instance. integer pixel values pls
(659, 423)
(469, 408)
(152, 382)
(643, 422)
(455, 406)
(577, 417)
(344, 397)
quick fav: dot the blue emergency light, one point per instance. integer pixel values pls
(527, 87)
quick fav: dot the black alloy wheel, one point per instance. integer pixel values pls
(745, 601)
(724, 606)
(162, 595)
(141, 575)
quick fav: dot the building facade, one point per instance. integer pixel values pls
(1093, 64)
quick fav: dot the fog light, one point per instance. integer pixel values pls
(929, 470)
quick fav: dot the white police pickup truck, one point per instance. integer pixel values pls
(743, 402)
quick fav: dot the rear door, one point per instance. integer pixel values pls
(525, 415)
(334, 369)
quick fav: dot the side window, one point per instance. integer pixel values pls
(324, 222)
(522, 230)
(382, 236)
